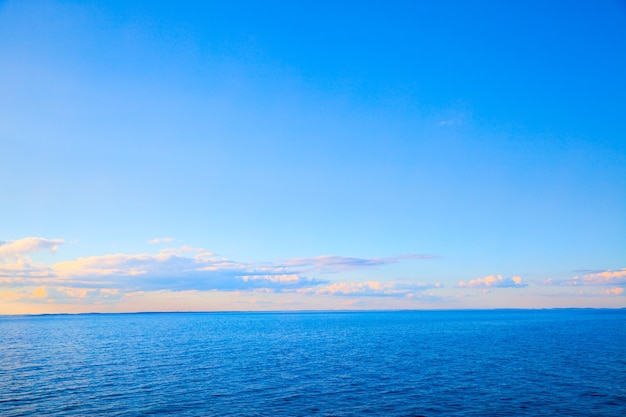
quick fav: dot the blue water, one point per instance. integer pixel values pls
(448, 363)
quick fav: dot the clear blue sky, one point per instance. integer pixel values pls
(302, 155)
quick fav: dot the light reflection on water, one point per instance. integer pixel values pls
(502, 362)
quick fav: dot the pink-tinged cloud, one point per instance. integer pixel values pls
(617, 278)
(494, 281)
(177, 272)
(14, 250)
(23, 268)
(331, 263)
(372, 288)
(106, 278)
(614, 291)
(76, 292)
(158, 240)
(173, 269)
(606, 278)
(21, 294)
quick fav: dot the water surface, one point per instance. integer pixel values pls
(463, 363)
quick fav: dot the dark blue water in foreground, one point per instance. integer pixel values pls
(507, 362)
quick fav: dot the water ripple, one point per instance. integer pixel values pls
(452, 363)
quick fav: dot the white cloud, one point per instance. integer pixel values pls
(75, 292)
(23, 268)
(494, 281)
(158, 240)
(105, 278)
(617, 277)
(177, 272)
(372, 288)
(606, 278)
(14, 250)
(186, 249)
(331, 263)
(174, 269)
(20, 295)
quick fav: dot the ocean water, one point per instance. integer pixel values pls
(415, 363)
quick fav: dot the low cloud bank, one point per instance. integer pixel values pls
(181, 269)
(14, 250)
(494, 281)
(616, 278)
(374, 289)
(331, 264)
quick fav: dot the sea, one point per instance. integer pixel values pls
(564, 362)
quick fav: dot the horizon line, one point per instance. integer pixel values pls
(308, 311)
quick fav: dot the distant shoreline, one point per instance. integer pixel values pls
(315, 311)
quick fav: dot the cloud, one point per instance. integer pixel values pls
(617, 277)
(589, 292)
(20, 295)
(16, 265)
(170, 271)
(330, 263)
(14, 250)
(606, 278)
(23, 268)
(186, 249)
(110, 277)
(75, 292)
(588, 271)
(158, 240)
(494, 281)
(372, 288)
(173, 269)
(40, 293)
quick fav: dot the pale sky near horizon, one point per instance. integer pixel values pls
(237, 155)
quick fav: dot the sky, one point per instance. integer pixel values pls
(239, 155)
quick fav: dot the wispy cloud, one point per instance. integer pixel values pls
(182, 269)
(15, 250)
(613, 278)
(330, 263)
(588, 271)
(158, 240)
(21, 294)
(606, 278)
(589, 292)
(149, 272)
(373, 288)
(494, 281)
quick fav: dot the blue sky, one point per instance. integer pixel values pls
(302, 156)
